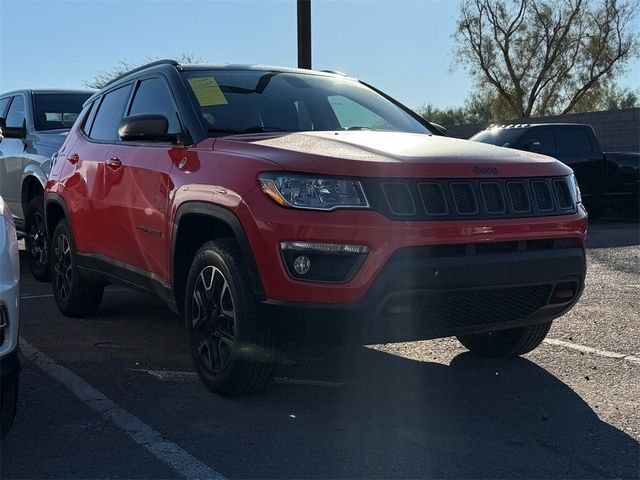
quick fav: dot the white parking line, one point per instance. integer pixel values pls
(166, 451)
(591, 350)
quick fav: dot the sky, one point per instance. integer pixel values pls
(402, 47)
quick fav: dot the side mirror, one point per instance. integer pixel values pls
(146, 127)
(12, 132)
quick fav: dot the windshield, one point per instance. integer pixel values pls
(58, 110)
(248, 101)
(502, 137)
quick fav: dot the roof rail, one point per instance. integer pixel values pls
(336, 72)
(165, 61)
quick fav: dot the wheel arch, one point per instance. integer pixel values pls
(196, 223)
(55, 209)
(33, 183)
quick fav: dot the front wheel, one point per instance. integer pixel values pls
(506, 343)
(231, 344)
(36, 241)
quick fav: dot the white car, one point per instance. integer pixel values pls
(10, 357)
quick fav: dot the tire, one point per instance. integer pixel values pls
(36, 241)
(8, 404)
(506, 343)
(231, 344)
(75, 296)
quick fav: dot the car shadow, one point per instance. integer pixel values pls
(474, 418)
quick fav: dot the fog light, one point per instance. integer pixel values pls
(302, 265)
(322, 262)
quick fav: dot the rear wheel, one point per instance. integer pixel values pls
(507, 343)
(230, 343)
(75, 296)
(36, 241)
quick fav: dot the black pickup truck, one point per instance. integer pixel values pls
(605, 178)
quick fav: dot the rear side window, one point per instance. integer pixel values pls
(572, 140)
(539, 140)
(16, 115)
(86, 128)
(110, 113)
(4, 103)
(153, 97)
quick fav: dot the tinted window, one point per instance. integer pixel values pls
(15, 117)
(3, 106)
(58, 110)
(539, 140)
(86, 128)
(572, 140)
(110, 113)
(152, 96)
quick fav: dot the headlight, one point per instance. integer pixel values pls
(575, 189)
(313, 192)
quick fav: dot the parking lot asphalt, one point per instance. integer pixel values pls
(115, 396)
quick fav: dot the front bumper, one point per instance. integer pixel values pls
(420, 294)
(268, 225)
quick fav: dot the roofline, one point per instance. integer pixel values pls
(46, 90)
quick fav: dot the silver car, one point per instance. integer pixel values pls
(10, 357)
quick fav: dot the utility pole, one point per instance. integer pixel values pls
(304, 34)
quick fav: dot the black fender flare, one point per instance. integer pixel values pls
(54, 199)
(230, 219)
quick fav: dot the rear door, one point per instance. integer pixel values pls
(13, 156)
(138, 187)
(86, 189)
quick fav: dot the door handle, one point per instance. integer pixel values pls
(73, 159)
(114, 163)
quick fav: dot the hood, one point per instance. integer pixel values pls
(390, 154)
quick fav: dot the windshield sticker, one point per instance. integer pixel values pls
(207, 91)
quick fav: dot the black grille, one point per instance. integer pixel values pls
(399, 198)
(464, 198)
(542, 194)
(563, 195)
(448, 310)
(519, 197)
(410, 199)
(493, 198)
(433, 199)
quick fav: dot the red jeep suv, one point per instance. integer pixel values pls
(253, 197)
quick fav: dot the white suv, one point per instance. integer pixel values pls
(10, 357)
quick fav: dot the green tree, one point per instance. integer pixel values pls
(105, 76)
(541, 57)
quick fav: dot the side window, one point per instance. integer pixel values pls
(4, 103)
(539, 140)
(572, 140)
(152, 96)
(352, 114)
(16, 115)
(88, 122)
(110, 112)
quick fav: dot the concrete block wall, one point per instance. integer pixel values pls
(617, 130)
